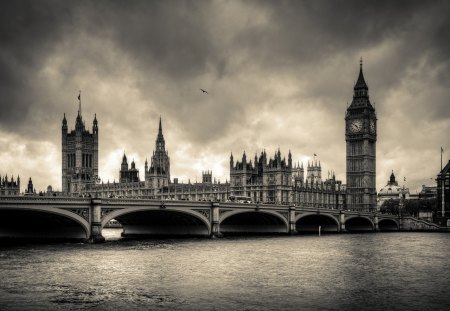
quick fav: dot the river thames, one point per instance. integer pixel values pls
(382, 271)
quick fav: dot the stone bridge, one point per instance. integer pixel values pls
(84, 218)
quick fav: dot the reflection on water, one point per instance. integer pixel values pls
(389, 271)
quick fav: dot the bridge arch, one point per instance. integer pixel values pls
(252, 221)
(37, 222)
(358, 223)
(310, 222)
(146, 220)
(388, 224)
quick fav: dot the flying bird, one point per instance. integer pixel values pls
(204, 91)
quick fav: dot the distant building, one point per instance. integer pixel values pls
(443, 195)
(314, 192)
(265, 180)
(157, 183)
(392, 191)
(30, 188)
(428, 192)
(9, 186)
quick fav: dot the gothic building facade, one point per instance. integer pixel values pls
(312, 191)
(263, 179)
(157, 183)
(361, 137)
(79, 155)
(9, 186)
(275, 180)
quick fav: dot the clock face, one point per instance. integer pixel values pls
(356, 126)
(372, 127)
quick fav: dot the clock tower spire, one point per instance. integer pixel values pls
(361, 137)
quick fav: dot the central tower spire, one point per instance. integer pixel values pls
(160, 142)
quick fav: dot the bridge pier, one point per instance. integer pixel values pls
(96, 222)
(215, 225)
(375, 223)
(341, 222)
(292, 224)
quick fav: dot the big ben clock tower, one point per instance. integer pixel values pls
(361, 137)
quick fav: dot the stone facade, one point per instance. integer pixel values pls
(79, 155)
(275, 180)
(264, 180)
(157, 183)
(9, 186)
(361, 137)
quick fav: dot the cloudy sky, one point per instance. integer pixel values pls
(279, 75)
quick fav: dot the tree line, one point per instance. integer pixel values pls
(410, 207)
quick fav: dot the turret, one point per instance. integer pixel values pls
(79, 126)
(124, 165)
(290, 159)
(160, 142)
(95, 125)
(30, 186)
(64, 124)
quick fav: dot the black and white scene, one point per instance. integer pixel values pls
(224, 155)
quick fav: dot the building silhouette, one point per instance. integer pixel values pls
(392, 191)
(443, 195)
(361, 137)
(263, 179)
(9, 186)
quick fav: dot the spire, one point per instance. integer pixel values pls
(79, 103)
(361, 83)
(79, 121)
(160, 143)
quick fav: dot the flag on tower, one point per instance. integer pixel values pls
(79, 96)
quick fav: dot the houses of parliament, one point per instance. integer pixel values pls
(263, 179)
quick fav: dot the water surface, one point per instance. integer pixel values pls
(383, 271)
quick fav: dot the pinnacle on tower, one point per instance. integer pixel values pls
(361, 83)
(79, 103)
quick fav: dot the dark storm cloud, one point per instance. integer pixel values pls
(181, 40)
(264, 63)
(28, 31)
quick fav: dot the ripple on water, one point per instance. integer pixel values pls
(395, 271)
